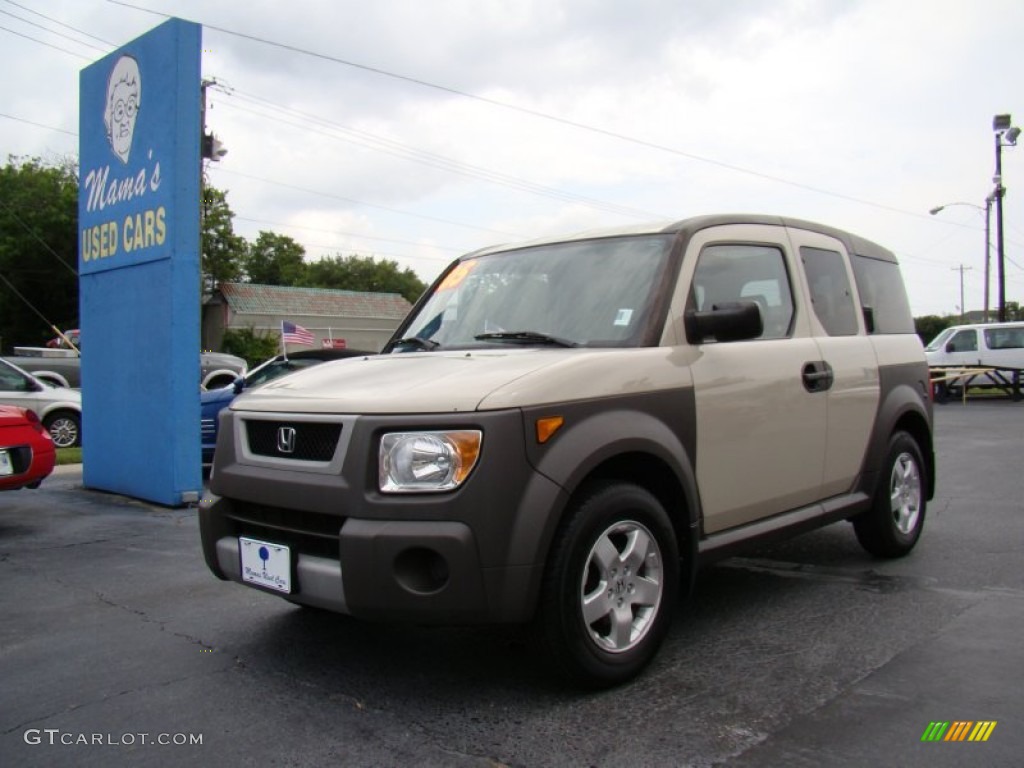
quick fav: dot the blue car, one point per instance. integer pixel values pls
(214, 400)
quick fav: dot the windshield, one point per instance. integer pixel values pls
(276, 368)
(594, 293)
(939, 340)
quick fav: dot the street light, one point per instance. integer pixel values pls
(1006, 136)
(988, 243)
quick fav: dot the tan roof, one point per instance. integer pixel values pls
(246, 298)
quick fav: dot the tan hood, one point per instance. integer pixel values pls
(447, 382)
(414, 382)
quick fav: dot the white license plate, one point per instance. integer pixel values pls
(266, 564)
(6, 467)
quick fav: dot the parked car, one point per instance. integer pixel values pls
(27, 454)
(215, 400)
(562, 431)
(59, 408)
(59, 365)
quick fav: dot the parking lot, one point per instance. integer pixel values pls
(118, 647)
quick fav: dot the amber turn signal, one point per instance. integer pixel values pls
(547, 427)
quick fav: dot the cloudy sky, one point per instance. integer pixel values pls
(416, 131)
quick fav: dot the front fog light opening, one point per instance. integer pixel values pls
(411, 462)
(421, 570)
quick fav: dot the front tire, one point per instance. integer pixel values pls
(610, 586)
(893, 525)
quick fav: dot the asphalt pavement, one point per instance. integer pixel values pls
(118, 647)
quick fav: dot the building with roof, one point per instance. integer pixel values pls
(352, 319)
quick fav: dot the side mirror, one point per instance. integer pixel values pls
(728, 321)
(239, 385)
(950, 347)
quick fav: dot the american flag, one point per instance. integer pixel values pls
(295, 334)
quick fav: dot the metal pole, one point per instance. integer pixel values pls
(988, 249)
(1000, 253)
(963, 310)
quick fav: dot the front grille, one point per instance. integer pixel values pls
(311, 533)
(302, 440)
(208, 428)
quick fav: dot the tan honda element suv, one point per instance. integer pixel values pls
(562, 431)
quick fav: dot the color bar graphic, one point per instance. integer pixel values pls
(959, 730)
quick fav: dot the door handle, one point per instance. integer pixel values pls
(818, 376)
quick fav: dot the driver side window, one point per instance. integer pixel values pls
(741, 272)
(964, 341)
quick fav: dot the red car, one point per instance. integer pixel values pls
(26, 449)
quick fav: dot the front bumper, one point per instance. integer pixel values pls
(423, 571)
(474, 555)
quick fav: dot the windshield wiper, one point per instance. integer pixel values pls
(525, 336)
(419, 342)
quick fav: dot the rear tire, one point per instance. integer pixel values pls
(65, 427)
(610, 586)
(893, 525)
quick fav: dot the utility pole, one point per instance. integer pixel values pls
(1000, 248)
(988, 247)
(212, 150)
(1006, 136)
(961, 269)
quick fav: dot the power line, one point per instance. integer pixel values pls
(534, 113)
(311, 191)
(52, 32)
(538, 114)
(42, 242)
(38, 125)
(368, 205)
(347, 234)
(363, 252)
(28, 303)
(61, 23)
(408, 152)
(48, 45)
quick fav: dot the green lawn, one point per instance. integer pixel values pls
(69, 455)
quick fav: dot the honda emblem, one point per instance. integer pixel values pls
(286, 439)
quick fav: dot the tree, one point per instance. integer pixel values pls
(224, 252)
(363, 273)
(254, 346)
(275, 260)
(38, 249)
(930, 326)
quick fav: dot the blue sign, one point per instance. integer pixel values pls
(139, 202)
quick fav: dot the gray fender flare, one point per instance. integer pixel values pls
(574, 456)
(901, 400)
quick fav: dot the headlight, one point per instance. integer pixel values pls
(416, 462)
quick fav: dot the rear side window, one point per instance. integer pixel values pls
(831, 296)
(730, 273)
(881, 290)
(1004, 338)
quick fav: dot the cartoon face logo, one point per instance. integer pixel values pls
(124, 97)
